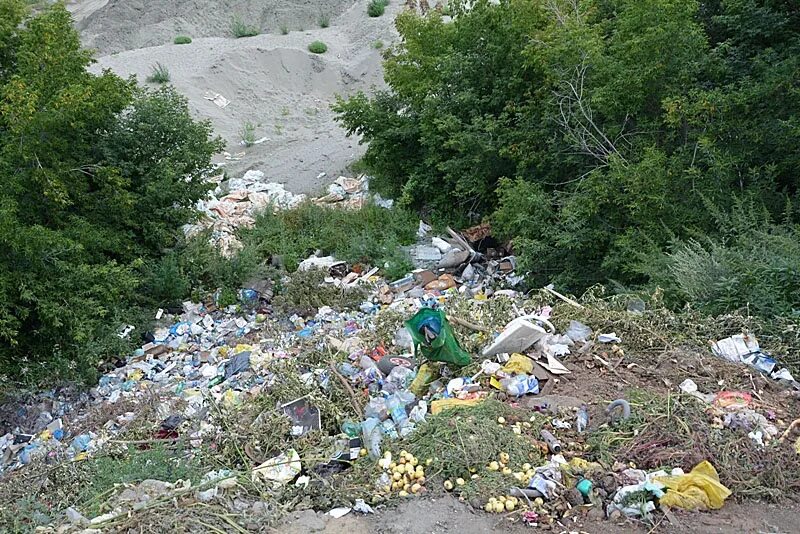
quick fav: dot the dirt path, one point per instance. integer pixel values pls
(444, 516)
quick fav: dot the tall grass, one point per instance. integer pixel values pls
(158, 74)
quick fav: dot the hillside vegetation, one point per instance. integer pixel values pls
(98, 175)
(627, 142)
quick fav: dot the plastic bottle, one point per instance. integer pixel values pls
(397, 410)
(552, 442)
(376, 409)
(401, 377)
(351, 429)
(520, 384)
(403, 339)
(81, 443)
(582, 420)
(373, 435)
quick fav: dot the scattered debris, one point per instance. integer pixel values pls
(294, 404)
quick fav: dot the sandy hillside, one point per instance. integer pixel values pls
(270, 80)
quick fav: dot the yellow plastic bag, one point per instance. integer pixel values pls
(699, 489)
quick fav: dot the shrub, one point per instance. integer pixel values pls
(324, 20)
(754, 266)
(318, 47)
(377, 45)
(248, 133)
(371, 235)
(158, 74)
(183, 39)
(240, 29)
(376, 8)
(284, 29)
(195, 267)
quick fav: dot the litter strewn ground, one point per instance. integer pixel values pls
(535, 408)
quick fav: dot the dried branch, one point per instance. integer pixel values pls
(576, 119)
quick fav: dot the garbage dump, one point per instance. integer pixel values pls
(447, 380)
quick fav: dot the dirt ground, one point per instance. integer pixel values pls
(271, 80)
(447, 515)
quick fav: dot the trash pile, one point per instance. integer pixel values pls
(234, 204)
(423, 382)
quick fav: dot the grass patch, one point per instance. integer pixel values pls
(324, 20)
(369, 236)
(377, 45)
(182, 39)
(241, 29)
(248, 133)
(158, 74)
(376, 8)
(318, 47)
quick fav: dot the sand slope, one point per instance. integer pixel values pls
(271, 80)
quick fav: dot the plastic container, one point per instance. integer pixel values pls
(372, 433)
(397, 410)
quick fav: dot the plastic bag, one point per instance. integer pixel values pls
(444, 346)
(700, 489)
(578, 331)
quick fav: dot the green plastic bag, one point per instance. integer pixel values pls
(444, 347)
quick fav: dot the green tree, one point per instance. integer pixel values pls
(98, 175)
(596, 134)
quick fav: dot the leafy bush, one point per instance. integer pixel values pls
(195, 268)
(371, 235)
(318, 47)
(376, 8)
(239, 28)
(284, 29)
(324, 20)
(99, 177)
(182, 39)
(377, 45)
(158, 74)
(754, 265)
